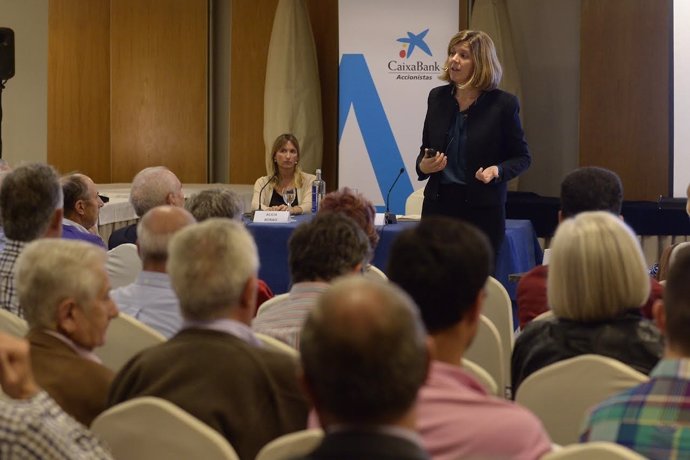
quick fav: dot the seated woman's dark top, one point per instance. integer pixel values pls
(277, 200)
(629, 338)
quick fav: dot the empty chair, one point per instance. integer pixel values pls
(499, 309)
(593, 450)
(374, 272)
(482, 376)
(125, 338)
(413, 204)
(123, 265)
(275, 344)
(12, 324)
(560, 394)
(152, 428)
(291, 445)
(487, 351)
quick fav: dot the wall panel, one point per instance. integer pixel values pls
(625, 48)
(78, 87)
(159, 86)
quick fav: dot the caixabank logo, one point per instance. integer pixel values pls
(423, 68)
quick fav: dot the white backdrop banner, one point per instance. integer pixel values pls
(391, 54)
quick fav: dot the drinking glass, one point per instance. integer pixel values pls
(289, 196)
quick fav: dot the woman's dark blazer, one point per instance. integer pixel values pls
(494, 137)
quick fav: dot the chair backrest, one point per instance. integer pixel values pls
(276, 345)
(123, 265)
(125, 338)
(484, 377)
(271, 301)
(152, 428)
(292, 445)
(12, 324)
(499, 309)
(546, 315)
(413, 204)
(375, 273)
(593, 450)
(560, 394)
(487, 351)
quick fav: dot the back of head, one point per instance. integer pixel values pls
(157, 227)
(49, 271)
(151, 187)
(442, 263)
(677, 303)
(214, 203)
(591, 189)
(29, 197)
(328, 246)
(356, 207)
(209, 265)
(597, 269)
(363, 352)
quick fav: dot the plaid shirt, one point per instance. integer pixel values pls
(8, 292)
(39, 429)
(652, 418)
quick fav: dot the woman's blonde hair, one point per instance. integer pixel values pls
(487, 69)
(277, 145)
(597, 269)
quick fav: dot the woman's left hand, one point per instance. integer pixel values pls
(486, 175)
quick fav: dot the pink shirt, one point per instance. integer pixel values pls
(457, 418)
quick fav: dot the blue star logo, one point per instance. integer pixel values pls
(416, 41)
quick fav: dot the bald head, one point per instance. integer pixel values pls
(155, 230)
(155, 186)
(363, 352)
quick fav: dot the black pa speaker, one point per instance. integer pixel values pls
(6, 53)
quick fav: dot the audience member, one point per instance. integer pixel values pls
(33, 426)
(223, 203)
(584, 189)
(652, 418)
(31, 208)
(81, 206)
(63, 288)
(364, 357)
(215, 368)
(151, 298)
(151, 187)
(4, 170)
(444, 264)
(329, 246)
(597, 281)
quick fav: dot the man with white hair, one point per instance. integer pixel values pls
(215, 368)
(151, 298)
(81, 207)
(63, 287)
(151, 187)
(31, 208)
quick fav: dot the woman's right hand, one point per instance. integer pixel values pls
(433, 164)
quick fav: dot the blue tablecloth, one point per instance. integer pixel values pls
(519, 253)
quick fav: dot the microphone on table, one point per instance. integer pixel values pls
(389, 217)
(262, 189)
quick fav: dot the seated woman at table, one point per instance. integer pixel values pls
(286, 175)
(596, 284)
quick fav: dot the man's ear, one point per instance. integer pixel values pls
(65, 321)
(54, 229)
(79, 207)
(659, 315)
(248, 297)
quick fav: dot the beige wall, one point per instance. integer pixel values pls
(25, 98)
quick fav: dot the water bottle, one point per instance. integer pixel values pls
(318, 190)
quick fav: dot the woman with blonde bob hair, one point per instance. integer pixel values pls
(472, 141)
(287, 175)
(596, 284)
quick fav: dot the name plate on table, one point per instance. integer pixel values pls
(271, 217)
(379, 219)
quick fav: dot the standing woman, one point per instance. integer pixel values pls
(476, 136)
(286, 174)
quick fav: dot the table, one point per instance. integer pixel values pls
(519, 253)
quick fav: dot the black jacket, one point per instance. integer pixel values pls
(494, 137)
(629, 338)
